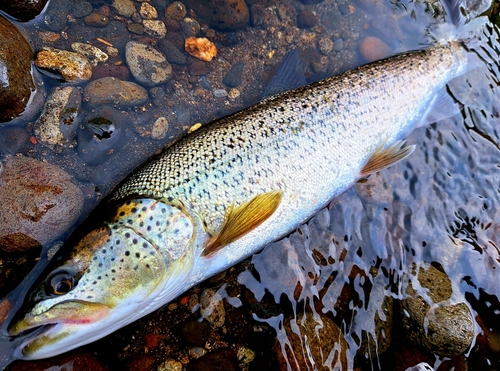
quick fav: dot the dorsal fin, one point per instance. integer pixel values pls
(242, 219)
(384, 157)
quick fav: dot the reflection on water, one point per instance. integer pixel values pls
(346, 282)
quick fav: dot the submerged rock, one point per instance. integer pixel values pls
(39, 203)
(201, 48)
(71, 66)
(110, 90)
(147, 64)
(16, 83)
(222, 14)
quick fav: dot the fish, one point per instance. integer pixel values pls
(226, 190)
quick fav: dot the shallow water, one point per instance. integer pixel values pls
(440, 206)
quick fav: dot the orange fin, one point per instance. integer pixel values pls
(243, 219)
(385, 157)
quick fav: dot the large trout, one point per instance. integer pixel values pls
(225, 191)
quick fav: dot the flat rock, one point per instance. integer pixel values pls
(39, 203)
(112, 91)
(148, 65)
(16, 83)
(71, 66)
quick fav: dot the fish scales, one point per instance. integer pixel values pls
(223, 192)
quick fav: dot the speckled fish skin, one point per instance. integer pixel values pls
(309, 144)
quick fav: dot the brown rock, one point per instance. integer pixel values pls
(71, 66)
(373, 49)
(110, 90)
(96, 19)
(152, 340)
(39, 202)
(142, 363)
(16, 84)
(221, 14)
(176, 11)
(201, 48)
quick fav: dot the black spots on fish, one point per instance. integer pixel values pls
(99, 265)
(122, 213)
(134, 241)
(115, 227)
(141, 224)
(99, 277)
(129, 221)
(170, 199)
(148, 228)
(94, 283)
(88, 270)
(127, 253)
(147, 266)
(137, 255)
(144, 208)
(145, 245)
(136, 268)
(94, 258)
(89, 297)
(127, 235)
(158, 223)
(134, 210)
(103, 251)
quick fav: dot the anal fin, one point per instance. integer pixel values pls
(385, 157)
(242, 219)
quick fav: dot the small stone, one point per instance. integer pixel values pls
(96, 19)
(234, 75)
(170, 365)
(172, 53)
(196, 352)
(325, 45)
(233, 94)
(152, 341)
(80, 8)
(142, 363)
(39, 203)
(338, 45)
(57, 123)
(112, 51)
(189, 27)
(71, 66)
(220, 93)
(160, 128)
(136, 28)
(110, 90)
(55, 17)
(212, 307)
(155, 28)
(147, 11)
(373, 49)
(222, 14)
(306, 19)
(147, 64)
(176, 11)
(194, 128)
(92, 53)
(198, 68)
(124, 8)
(157, 95)
(195, 333)
(201, 48)
(245, 355)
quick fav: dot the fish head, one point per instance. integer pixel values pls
(113, 275)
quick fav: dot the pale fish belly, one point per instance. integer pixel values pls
(310, 143)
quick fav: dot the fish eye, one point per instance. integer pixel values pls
(60, 283)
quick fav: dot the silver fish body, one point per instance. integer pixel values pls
(269, 168)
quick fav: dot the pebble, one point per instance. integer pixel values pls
(338, 45)
(373, 49)
(147, 11)
(321, 337)
(195, 332)
(16, 84)
(170, 365)
(39, 203)
(92, 53)
(220, 93)
(189, 27)
(325, 45)
(157, 95)
(160, 128)
(198, 68)
(306, 19)
(233, 94)
(142, 363)
(224, 15)
(234, 75)
(440, 327)
(71, 66)
(201, 48)
(154, 28)
(96, 19)
(58, 122)
(110, 90)
(23, 10)
(172, 53)
(245, 355)
(102, 134)
(80, 8)
(196, 352)
(124, 8)
(177, 11)
(136, 28)
(212, 307)
(55, 17)
(152, 341)
(147, 64)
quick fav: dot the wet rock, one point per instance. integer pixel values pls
(160, 128)
(306, 19)
(154, 28)
(16, 84)
(436, 323)
(201, 48)
(14, 140)
(147, 64)
(189, 27)
(212, 307)
(234, 75)
(147, 11)
(220, 359)
(152, 341)
(176, 11)
(245, 355)
(257, 14)
(58, 122)
(124, 8)
(92, 53)
(102, 134)
(172, 53)
(142, 363)
(325, 45)
(96, 19)
(71, 66)
(220, 93)
(221, 14)
(23, 10)
(157, 95)
(80, 8)
(109, 90)
(39, 202)
(136, 28)
(373, 49)
(56, 15)
(195, 332)
(198, 68)
(110, 70)
(233, 94)
(322, 338)
(170, 365)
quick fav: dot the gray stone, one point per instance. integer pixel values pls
(147, 64)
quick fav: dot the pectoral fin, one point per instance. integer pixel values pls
(384, 157)
(243, 219)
